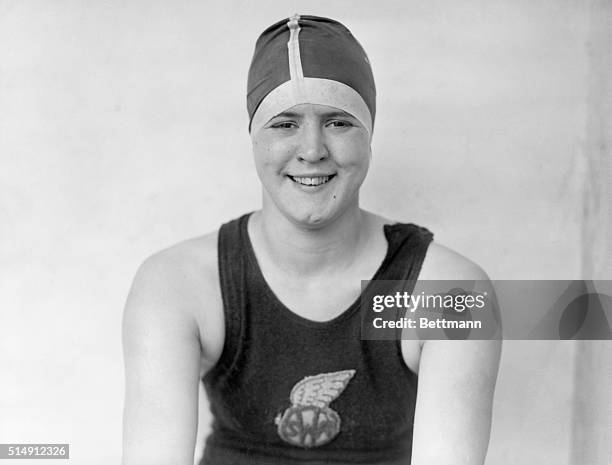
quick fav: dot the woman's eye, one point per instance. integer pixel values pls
(284, 125)
(340, 124)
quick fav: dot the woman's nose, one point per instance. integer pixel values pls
(312, 146)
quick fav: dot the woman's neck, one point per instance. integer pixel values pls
(303, 251)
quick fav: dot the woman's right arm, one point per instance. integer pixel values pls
(161, 348)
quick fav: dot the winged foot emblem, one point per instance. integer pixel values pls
(310, 422)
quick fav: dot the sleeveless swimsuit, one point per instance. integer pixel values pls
(289, 390)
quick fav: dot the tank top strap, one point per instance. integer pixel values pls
(232, 263)
(408, 244)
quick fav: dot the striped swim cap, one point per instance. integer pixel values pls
(309, 59)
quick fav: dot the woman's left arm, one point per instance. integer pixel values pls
(456, 380)
(454, 402)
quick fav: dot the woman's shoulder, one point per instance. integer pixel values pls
(184, 261)
(441, 262)
(444, 263)
(178, 288)
(177, 281)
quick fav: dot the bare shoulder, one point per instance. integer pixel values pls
(180, 273)
(179, 285)
(190, 259)
(443, 263)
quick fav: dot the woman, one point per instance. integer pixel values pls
(266, 310)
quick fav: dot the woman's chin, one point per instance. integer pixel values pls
(310, 219)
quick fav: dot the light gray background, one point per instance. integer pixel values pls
(123, 130)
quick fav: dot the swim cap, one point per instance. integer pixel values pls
(309, 59)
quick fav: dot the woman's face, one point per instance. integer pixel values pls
(312, 160)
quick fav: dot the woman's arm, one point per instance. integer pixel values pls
(162, 361)
(456, 382)
(455, 394)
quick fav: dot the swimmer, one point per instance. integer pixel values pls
(265, 311)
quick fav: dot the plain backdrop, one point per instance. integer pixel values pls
(123, 130)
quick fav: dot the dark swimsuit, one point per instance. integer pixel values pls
(288, 390)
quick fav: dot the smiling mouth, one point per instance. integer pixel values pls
(312, 181)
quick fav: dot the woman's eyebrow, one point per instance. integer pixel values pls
(287, 114)
(337, 114)
(324, 115)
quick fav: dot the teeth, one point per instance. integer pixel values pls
(311, 181)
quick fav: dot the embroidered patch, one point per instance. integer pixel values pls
(309, 422)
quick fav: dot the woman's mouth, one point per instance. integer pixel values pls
(312, 180)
